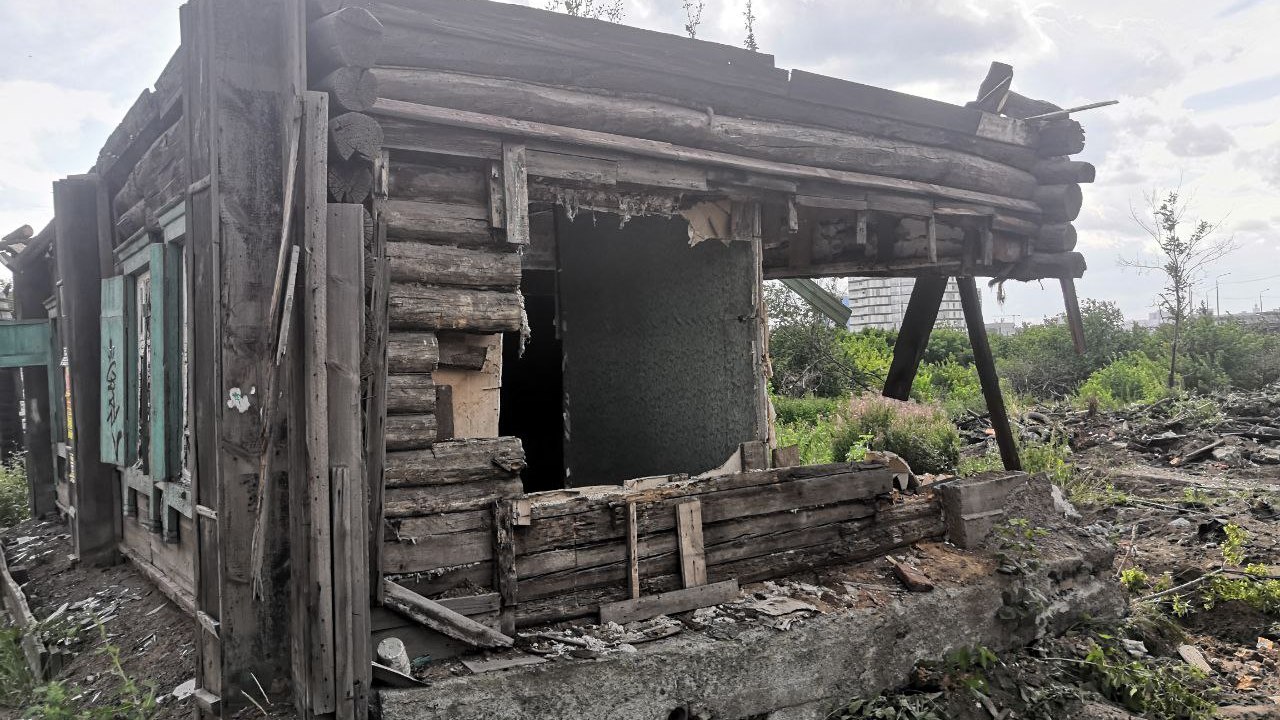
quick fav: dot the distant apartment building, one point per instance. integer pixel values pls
(881, 303)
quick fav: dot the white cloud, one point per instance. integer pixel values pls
(1190, 140)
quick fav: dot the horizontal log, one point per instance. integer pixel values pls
(417, 501)
(410, 352)
(448, 184)
(351, 89)
(416, 262)
(355, 136)
(670, 602)
(440, 524)
(657, 120)
(1017, 105)
(1049, 265)
(350, 181)
(410, 432)
(1059, 203)
(1058, 171)
(348, 37)
(1060, 137)
(423, 553)
(1058, 238)
(441, 619)
(456, 462)
(438, 222)
(653, 148)
(414, 306)
(132, 220)
(410, 394)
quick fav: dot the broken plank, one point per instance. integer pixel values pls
(504, 566)
(484, 666)
(515, 192)
(669, 603)
(437, 617)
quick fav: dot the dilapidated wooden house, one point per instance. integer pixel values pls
(437, 319)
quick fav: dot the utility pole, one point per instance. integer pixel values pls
(1217, 294)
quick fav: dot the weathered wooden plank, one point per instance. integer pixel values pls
(410, 394)
(374, 368)
(693, 561)
(633, 551)
(417, 306)
(448, 183)
(408, 502)
(515, 192)
(412, 352)
(669, 603)
(416, 262)
(442, 524)
(456, 462)
(428, 552)
(913, 338)
(441, 619)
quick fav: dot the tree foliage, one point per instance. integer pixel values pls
(611, 10)
(1182, 258)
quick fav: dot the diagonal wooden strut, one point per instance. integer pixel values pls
(913, 338)
(986, 365)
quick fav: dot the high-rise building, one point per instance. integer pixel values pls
(881, 303)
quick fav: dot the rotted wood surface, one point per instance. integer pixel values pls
(417, 306)
(352, 89)
(438, 222)
(672, 123)
(441, 619)
(410, 432)
(416, 501)
(355, 136)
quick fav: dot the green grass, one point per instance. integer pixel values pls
(14, 506)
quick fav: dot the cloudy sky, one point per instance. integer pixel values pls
(1199, 85)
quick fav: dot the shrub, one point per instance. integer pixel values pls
(922, 434)
(813, 439)
(14, 507)
(1131, 378)
(807, 409)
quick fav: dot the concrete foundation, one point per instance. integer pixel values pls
(798, 674)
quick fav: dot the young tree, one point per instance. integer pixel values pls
(611, 10)
(693, 16)
(1183, 258)
(750, 18)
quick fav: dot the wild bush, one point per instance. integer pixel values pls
(922, 434)
(1131, 378)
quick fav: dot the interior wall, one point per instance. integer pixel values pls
(532, 387)
(659, 375)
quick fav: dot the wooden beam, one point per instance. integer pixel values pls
(669, 603)
(437, 617)
(986, 365)
(633, 551)
(653, 148)
(504, 567)
(1074, 320)
(913, 337)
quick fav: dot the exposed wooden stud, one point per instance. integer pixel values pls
(693, 560)
(933, 239)
(754, 455)
(990, 380)
(669, 603)
(515, 192)
(860, 231)
(497, 202)
(445, 429)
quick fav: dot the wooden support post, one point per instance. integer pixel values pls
(515, 192)
(344, 240)
(913, 338)
(240, 91)
(986, 365)
(376, 362)
(95, 493)
(1074, 320)
(504, 566)
(933, 240)
(693, 559)
(32, 283)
